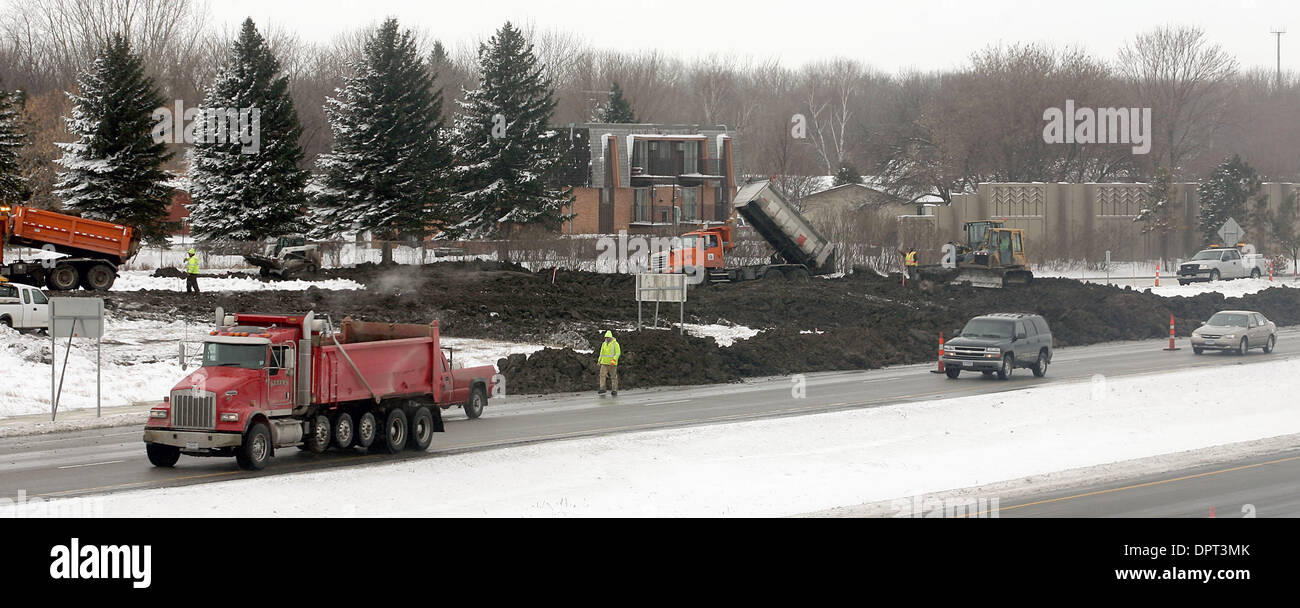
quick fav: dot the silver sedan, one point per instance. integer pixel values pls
(1235, 330)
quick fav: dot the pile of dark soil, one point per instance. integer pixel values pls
(860, 321)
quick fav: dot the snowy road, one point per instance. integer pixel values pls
(109, 460)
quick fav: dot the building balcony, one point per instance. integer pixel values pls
(676, 171)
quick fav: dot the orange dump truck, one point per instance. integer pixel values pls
(93, 249)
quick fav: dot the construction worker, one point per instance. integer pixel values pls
(609, 354)
(192, 272)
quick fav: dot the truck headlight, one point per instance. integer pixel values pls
(157, 413)
(230, 417)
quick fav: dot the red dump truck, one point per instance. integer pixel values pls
(94, 249)
(274, 381)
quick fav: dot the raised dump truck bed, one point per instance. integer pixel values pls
(94, 248)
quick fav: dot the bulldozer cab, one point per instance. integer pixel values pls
(1001, 247)
(976, 231)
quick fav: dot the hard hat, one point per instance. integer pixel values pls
(609, 334)
(191, 251)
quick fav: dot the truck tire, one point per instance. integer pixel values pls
(1008, 366)
(162, 455)
(99, 277)
(396, 431)
(64, 277)
(421, 430)
(1214, 275)
(773, 274)
(318, 436)
(1254, 273)
(343, 430)
(474, 406)
(6, 321)
(254, 453)
(1040, 366)
(799, 275)
(952, 372)
(367, 428)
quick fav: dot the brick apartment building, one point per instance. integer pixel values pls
(649, 178)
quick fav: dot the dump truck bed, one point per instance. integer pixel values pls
(75, 236)
(784, 228)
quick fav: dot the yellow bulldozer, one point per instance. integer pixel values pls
(991, 256)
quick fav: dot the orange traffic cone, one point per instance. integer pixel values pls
(941, 368)
(1171, 333)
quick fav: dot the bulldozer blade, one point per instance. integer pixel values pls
(978, 278)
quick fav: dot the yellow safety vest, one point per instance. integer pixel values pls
(192, 264)
(911, 258)
(609, 352)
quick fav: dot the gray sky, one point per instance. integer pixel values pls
(890, 35)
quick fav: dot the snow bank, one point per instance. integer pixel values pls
(724, 335)
(1230, 289)
(781, 466)
(133, 280)
(139, 364)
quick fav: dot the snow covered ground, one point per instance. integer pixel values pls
(780, 466)
(141, 363)
(1230, 289)
(132, 280)
(724, 335)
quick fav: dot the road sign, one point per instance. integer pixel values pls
(1231, 233)
(661, 287)
(74, 318)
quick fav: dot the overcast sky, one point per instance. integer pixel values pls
(890, 35)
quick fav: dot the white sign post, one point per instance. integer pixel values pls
(74, 318)
(661, 287)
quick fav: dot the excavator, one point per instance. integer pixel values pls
(991, 256)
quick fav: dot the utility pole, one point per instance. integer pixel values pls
(1278, 32)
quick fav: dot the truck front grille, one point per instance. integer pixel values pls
(658, 262)
(191, 410)
(969, 352)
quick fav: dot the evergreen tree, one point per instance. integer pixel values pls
(252, 188)
(618, 110)
(387, 171)
(13, 186)
(847, 174)
(114, 170)
(507, 155)
(1224, 195)
(1162, 209)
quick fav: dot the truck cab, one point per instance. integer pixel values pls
(1213, 264)
(23, 306)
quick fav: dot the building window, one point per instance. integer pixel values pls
(690, 204)
(641, 205)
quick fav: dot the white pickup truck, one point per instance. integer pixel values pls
(1215, 264)
(23, 306)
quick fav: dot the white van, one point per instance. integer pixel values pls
(23, 306)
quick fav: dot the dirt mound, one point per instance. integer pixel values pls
(860, 321)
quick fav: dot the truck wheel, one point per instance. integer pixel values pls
(952, 372)
(344, 431)
(1254, 273)
(162, 455)
(773, 274)
(474, 407)
(367, 428)
(253, 454)
(395, 431)
(1008, 366)
(5, 321)
(1182, 282)
(64, 277)
(1040, 366)
(318, 438)
(99, 277)
(799, 275)
(1197, 350)
(1268, 346)
(421, 430)
(1214, 275)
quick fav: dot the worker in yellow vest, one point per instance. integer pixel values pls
(609, 354)
(192, 272)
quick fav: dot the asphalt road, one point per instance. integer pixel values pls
(1266, 485)
(113, 459)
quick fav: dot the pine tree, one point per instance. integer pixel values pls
(1162, 210)
(114, 170)
(618, 110)
(847, 174)
(1224, 195)
(252, 188)
(507, 155)
(13, 186)
(388, 168)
